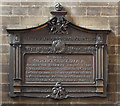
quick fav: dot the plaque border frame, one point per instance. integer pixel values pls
(58, 21)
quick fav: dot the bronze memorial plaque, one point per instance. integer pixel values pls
(59, 68)
(58, 60)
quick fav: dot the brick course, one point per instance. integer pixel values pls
(93, 11)
(20, 10)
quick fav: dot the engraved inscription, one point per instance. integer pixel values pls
(51, 38)
(83, 38)
(66, 49)
(58, 68)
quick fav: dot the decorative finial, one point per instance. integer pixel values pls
(58, 7)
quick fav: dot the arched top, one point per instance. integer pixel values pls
(47, 24)
(58, 24)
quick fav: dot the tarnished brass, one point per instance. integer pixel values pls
(58, 60)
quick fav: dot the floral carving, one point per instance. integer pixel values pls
(58, 46)
(58, 92)
(58, 25)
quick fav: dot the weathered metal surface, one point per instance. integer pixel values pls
(62, 68)
(58, 60)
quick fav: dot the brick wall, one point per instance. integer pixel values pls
(95, 15)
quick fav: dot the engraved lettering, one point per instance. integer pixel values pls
(63, 68)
